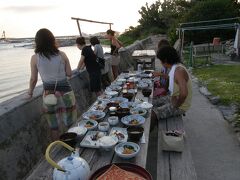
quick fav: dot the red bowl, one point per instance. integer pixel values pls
(126, 166)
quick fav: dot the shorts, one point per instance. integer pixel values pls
(163, 108)
(65, 110)
(95, 81)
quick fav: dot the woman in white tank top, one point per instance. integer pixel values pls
(54, 68)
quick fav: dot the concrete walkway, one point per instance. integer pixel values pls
(214, 146)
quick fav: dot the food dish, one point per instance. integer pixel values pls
(133, 168)
(128, 105)
(138, 110)
(80, 130)
(89, 124)
(142, 85)
(119, 100)
(145, 105)
(113, 120)
(111, 93)
(135, 133)
(103, 126)
(120, 133)
(127, 150)
(91, 139)
(94, 115)
(114, 88)
(108, 142)
(104, 97)
(133, 120)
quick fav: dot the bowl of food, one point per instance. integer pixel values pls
(112, 104)
(89, 124)
(128, 95)
(104, 97)
(135, 133)
(129, 104)
(146, 92)
(69, 138)
(111, 93)
(138, 110)
(119, 100)
(108, 142)
(133, 120)
(127, 150)
(113, 120)
(94, 115)
(103, 126)
(122, 112)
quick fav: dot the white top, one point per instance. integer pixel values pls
(171, 79)
(51, 69)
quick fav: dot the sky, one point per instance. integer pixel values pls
(23, 18)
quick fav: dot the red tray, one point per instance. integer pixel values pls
(126, 166)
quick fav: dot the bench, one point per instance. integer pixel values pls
(174, 165)
(201, 51)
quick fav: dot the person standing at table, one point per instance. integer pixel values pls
(180, 86)
(98, 50)
(54, 68)
(88, 59)
(115, 46)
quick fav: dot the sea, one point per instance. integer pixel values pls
(15, 66)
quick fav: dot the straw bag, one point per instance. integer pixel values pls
(172, 141)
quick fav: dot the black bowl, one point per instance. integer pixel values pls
(121, 112)
(69, 138)
(146, 92)
(135, 133)
(129, 96)
(112, 104)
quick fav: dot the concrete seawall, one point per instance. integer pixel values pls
(24, 131)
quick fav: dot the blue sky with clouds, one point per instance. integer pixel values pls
(22, 18)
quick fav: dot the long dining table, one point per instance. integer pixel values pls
(96, 157)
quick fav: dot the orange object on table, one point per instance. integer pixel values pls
(115, 172)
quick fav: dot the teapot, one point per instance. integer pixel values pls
(69, 168)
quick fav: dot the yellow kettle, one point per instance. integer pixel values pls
(72, 167)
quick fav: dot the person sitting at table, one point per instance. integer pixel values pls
(180, 86)
(163, 74)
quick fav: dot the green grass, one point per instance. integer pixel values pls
(222, 81)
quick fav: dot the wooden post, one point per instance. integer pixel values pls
(182, 44)
(79, 29)
(91, 21)
(110, 26)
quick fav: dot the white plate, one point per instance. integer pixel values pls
(127, 120)
(84, 122)
(94, 115)
(111, 93)
(120, 133)
(88, 139)
(128, 105)
(80, 130)
(119, 99)
(145, 105)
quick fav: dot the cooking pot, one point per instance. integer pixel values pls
(72, 167)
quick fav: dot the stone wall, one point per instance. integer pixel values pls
(24, 131)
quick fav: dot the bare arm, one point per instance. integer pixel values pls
(81, 64)
(34, 75)
(67, 64)
(181, 78)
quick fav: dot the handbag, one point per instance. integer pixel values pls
(101, 62)
(172, 141)
(50, 99)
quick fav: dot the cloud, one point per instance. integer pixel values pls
(26, 9)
